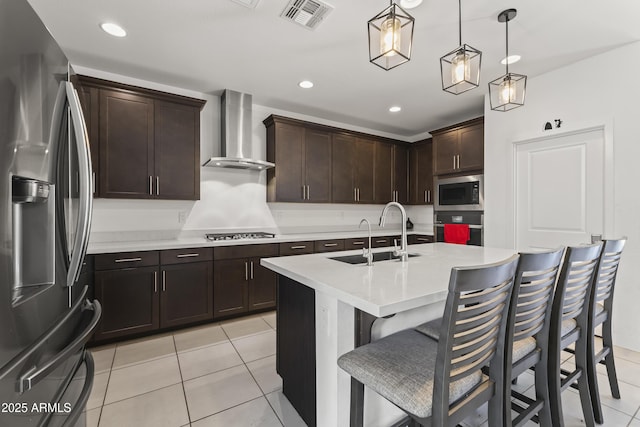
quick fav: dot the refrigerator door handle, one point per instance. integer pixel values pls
(37, 373)
(85, 200)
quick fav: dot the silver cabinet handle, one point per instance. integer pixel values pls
(429, 196)
(150, 185)
(299, 247)
(303, 192)
(425, 196)
(251, 270)
(358, 243)
(458, 156)
(358, 193)
(93, 182)
(246, 271)
(355, 194)
(155, 282)
(423, 239)
(187, 255)
(454, 162)
(128, 259)
(330, 245)
(157, 185)
(381, 241)
(164, 280)
(308, 193)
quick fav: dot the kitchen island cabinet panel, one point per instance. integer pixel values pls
(129, 299)
(262, 286)
(186, 293)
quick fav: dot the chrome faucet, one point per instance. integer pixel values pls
(402, 252)
(366, 252)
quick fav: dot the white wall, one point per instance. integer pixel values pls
(229, 199)
(601, 90)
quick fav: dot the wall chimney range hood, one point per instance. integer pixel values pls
(236, 151)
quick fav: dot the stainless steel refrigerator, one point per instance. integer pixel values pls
(45, 212)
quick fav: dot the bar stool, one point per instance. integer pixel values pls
(570, 325)
(527, 332)
(527, 335)
(600, 310)
(441, 382)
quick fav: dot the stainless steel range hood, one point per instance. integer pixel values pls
(236, 151)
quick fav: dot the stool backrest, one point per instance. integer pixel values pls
(607, 272)
(530, 308)
(571, 297)
(473, 328)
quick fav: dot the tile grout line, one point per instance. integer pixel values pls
(184, 391)
(104, 398)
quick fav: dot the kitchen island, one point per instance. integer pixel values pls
(327, 307)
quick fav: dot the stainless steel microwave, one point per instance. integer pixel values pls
(460, 193)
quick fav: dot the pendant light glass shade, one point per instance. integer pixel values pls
(460, 68)
(390, 37)
(508, 91)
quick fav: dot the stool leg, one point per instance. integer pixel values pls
(555, 402)
(592, 378)
(583, 381)
(607, 341)
(542, 392)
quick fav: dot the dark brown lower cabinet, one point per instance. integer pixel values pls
(186, 293)
(417, 239)
(241, 284)
(129, 299)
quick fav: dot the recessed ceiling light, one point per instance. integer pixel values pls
(306, 84)
(410, 4)
(511, 59)
(394, 109)
(113, 29)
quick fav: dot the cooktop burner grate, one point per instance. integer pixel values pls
(237, 236)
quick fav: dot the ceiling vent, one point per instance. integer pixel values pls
(308, 13)
(251, 4)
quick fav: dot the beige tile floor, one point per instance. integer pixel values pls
(223, 374)
(220, 374)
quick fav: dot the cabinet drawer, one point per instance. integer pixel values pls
(296, 248)
(246, 251)
(416, 239)
(383, 241)
(357, 243)
(328, 245)
(126, 260)
(180, 256)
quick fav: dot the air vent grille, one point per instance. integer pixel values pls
(308, 13)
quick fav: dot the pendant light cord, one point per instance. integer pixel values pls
(506, 58)
(460, 22)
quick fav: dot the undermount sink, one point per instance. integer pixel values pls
(377, 256)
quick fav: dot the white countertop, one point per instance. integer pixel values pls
(201, 242)
(387, 287)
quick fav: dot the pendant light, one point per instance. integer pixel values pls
(460, 68)
(507, 92)
(390, 37)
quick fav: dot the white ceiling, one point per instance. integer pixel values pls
(210, 45)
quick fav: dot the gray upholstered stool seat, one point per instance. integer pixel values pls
(400, 367)
(431, 328)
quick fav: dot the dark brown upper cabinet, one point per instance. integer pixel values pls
(303, 162)
(421, 173)
(90, 99)
(145, 144)
(353, 169)
(459, 148)
(391, 179)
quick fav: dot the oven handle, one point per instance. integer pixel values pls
(473, 226)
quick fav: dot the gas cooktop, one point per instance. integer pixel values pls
(237, 236)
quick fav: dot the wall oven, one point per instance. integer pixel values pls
(475, 220)
(460, 193)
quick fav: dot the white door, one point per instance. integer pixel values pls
(560, 190)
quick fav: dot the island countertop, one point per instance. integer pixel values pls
(387, 287)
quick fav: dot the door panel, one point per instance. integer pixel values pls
(230, 291)
(126, 145)
(400, 176)
(318, 165)
(364, 167)
(445, 148)
(471, 148)
(129, 299)
(559, 190)
(383, 183)
(290, 161)
(187, 293)
(177, 151)
(342, 175)
(262, 287)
